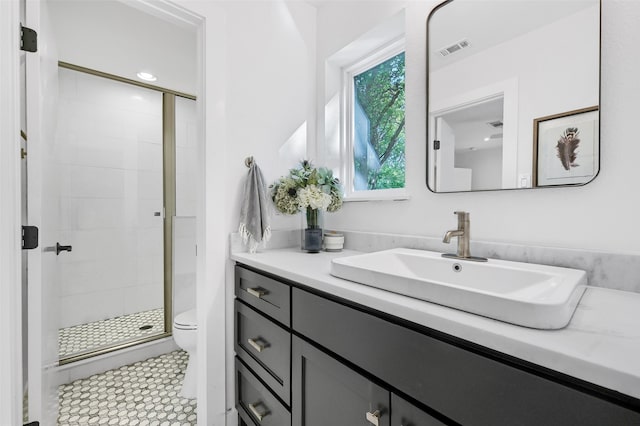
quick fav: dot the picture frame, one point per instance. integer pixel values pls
(566, 148)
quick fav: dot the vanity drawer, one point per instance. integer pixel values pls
(255, 404)
(267, 295)
(265, 347)
(406, 414)
(468, 387)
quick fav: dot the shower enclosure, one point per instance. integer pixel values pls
(125, 157)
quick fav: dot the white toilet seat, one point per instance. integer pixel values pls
(186, 321)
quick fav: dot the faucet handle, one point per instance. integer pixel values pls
(461, 213)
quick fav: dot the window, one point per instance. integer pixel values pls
(374, 123)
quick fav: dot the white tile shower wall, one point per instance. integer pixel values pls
(184, 264)
(186, 157)
(109, 145)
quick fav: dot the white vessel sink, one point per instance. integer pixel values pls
(530, 295)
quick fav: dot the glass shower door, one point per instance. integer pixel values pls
(109, 156)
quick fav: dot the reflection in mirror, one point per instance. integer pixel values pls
(471, 137)
(496, 70)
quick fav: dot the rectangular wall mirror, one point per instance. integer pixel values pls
(513, 94)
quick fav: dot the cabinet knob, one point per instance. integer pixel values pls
(257, 292)
(374, 418)
(256, 413)
(257, 345)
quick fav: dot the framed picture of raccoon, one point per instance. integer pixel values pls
(566, 148)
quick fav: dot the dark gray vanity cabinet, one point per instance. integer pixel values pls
(327, 392)
(342, 364)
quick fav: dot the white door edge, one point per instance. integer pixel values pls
(10, 251)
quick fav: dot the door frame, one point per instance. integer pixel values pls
(11, 387)
(10, 220)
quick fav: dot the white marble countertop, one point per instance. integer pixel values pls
(600, 345)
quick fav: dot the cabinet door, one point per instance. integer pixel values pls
(403, 413)
(326, 392)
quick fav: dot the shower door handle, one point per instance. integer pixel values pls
(60, 248)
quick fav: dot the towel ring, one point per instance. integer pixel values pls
(248, 161)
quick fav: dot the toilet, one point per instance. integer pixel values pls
(185, 332)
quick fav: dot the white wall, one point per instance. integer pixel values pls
(485, 165)
(347, 31)
(270, 106)
(109, 159)
(561, 217)
(259, 93)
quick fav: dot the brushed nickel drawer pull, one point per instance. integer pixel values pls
(374, 418)
(257, 413)
(256, 345)
(257, 292)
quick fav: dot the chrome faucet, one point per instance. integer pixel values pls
(464, 251)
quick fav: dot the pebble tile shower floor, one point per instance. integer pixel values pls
(144, 393)
(94, 335)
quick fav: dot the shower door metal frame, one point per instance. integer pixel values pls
(169, 206)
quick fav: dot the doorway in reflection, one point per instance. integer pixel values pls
(470, 154)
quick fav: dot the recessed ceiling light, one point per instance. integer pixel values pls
(146, 76)
(486, 139)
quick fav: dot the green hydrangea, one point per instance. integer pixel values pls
(285, 196)
(307, 187)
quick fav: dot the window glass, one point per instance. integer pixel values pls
(378, 126)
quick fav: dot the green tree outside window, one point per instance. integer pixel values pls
(379, 131)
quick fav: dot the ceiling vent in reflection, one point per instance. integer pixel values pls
(462, 44)
(496, 124)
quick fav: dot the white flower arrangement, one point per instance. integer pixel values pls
(312, 196)
(307, 189)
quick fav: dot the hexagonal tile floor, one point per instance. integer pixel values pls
(98, 334)
(144, 393)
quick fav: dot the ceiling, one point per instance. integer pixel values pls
(113, 37)
(471, 128)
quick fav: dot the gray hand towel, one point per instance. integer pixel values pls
(255, 224)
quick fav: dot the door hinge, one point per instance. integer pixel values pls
(28, 39)
(29, 237)
(23, 153)
(436, 145)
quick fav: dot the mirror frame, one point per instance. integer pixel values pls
(428, 120)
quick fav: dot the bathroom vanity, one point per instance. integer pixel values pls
(313, 349)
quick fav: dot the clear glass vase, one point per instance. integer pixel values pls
(311, 235)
